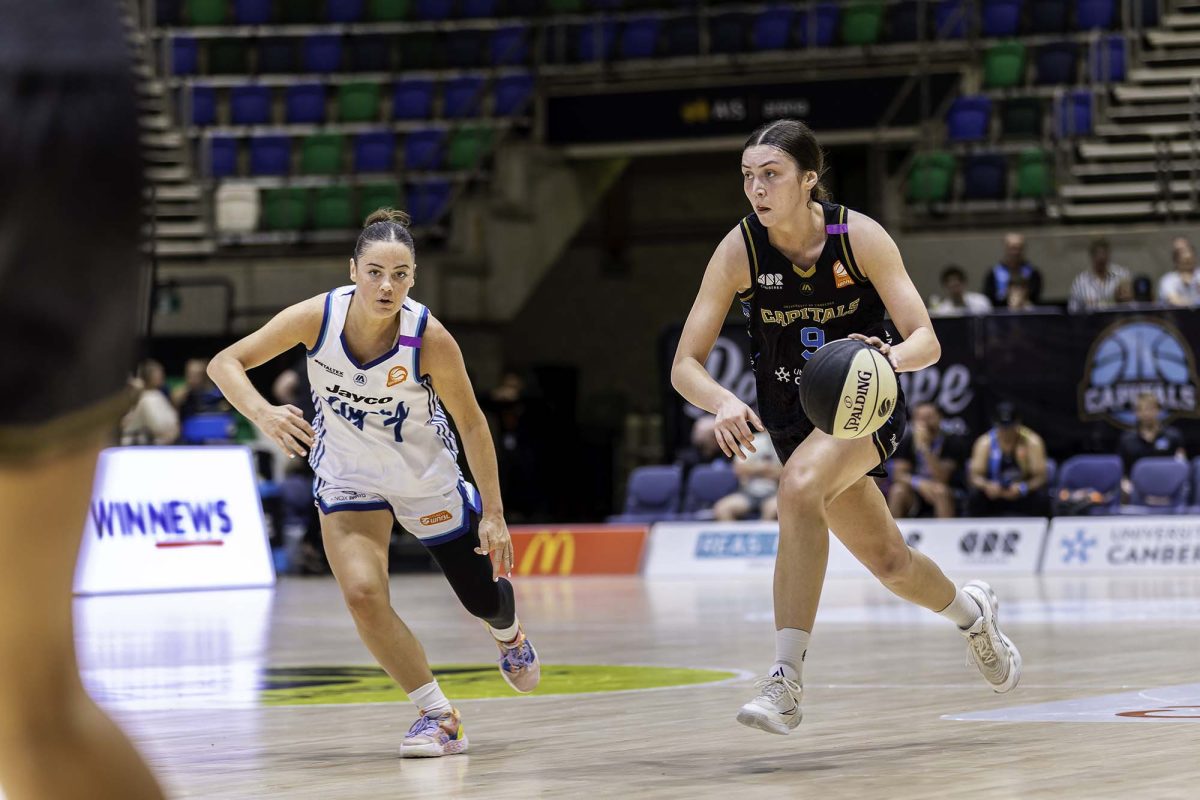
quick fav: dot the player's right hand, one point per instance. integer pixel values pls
(733, 428)
(285, 426)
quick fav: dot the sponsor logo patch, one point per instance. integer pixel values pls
(397, 375)
(437, 519)
(841, 277)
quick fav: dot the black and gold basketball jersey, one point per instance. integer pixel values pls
(792, 310)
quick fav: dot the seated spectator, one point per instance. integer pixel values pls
(925, 466)
(703, 448)
(1149, 438)
(1102, 286)
(1014, 263)
(198, 394)
(759, 478)
(1008, 469)
(1181, 287)
(152, 420)
(1018, 295)
(955, 300)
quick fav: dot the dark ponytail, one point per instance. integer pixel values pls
(385, 225)
(797, 140)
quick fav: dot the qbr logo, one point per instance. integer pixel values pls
(771, 281)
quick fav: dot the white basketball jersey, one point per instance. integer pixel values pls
(380, 426)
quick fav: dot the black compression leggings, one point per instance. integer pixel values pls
(470, 575)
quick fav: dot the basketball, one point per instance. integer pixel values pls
(848, 389)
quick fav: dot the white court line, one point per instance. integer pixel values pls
(1101, 708)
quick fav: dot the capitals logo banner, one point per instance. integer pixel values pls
(1134, 357)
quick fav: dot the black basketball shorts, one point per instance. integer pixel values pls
(71, 270)
(886, 439)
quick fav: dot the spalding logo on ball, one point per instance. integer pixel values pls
(848, 389)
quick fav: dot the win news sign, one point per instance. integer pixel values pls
(172, 519)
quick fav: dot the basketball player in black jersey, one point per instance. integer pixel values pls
(807, 272)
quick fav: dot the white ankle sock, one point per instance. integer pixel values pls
(506, 635)
(962, 611)
(791, 645)
(429, 699)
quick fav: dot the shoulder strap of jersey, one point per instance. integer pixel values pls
(841, 229)
(751, 255)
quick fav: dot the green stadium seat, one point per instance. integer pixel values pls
(862, 23)
(388, 10)
(333, 209)
(419, 51)
(207, 12)
(284, 209)
(301, 12)
(1033, 174)
(467, 147)
(322, 154)
(228, 57)
(373, 196)
(1022, 117)
(1004, 65)
(358, 102)
(931, 177)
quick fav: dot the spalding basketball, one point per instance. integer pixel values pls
(848, 389)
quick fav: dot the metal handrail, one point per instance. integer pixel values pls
(1193, 141)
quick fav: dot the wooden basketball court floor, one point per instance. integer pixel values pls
(1109, 705)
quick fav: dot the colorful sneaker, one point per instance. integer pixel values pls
(436, 735)
(991, 651)
(519, 663)
(777, 707)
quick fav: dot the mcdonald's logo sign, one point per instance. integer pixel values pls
(578, 549)
(548, 553)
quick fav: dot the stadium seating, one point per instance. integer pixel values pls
(322, 154)
(1160, 486)
(428, 201)
(1000, 18)
(862, 23)
(1056, 63)
(207, 429)
(931, 177)
(509, 46)
(817, 27)
(968, 118)
(345, 11)
(1022, 117)
(388, 10)
(1097, 473)
(322, 52)
(652, 494)
(375, 151)
(223, 157)
(639, 38)
(250, 105)
(228, 57)
(300, 12)
(332, 208)
(270, 155)
(370, 54)
(950, 19)
(1107, 59)
(1048, 16)
(252, 12)
(706, 484)
(682, 38)
(772, 29)
(513, 93)
(412, 98)
(1074, 113)
(730, 33)
(374, 196)
(1033, 174)
(463, 97)
(358, 102)
(985, 177)
(1004, 65)
(304, 104)
(284, 209)
(207, 12)
(467, 147)
(1091, 14)
(423, 149)
(278, 56)
(185, 56)
(203, 106)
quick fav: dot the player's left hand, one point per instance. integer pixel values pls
(881, 346)
(496, 543)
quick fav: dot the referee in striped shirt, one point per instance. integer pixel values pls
(1102, 286)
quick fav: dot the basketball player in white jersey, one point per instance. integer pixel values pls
(381, 367)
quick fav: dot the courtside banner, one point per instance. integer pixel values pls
(173, 518)
(738, 548)
(1122, 544)
(577, 549)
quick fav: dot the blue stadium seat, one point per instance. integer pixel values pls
(1161, 485)
(968, 118)
(462, 97)
(322, 53)
(1098, 473)
(412, 99)
(1092, 14)
(1048, 16)
(428, 201)
(513, 93)
(1055, 63)
(1108, 59)
(903, 21)
(166, 12)
(434, 9)
(252, 12)
(984, 177)
(950, 19)
(466, 49)
(477, 9)
(345, 11)
(594, 41)
(818, 26)
(639, 38)
(185, 56)
(270, 155)
(276, 55)
(706, 484)
(371, 54)
(250, 105)
(203, 106)
(1075, 114)
(729, 33)
(207, 429)
(651, 495)
(304, 104)
(223, 156)
(375, 151)
(1000, 17)
(425, 150)
(510, 45)
(772, 29)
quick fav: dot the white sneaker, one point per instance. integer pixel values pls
(994, 653)
(777, 707)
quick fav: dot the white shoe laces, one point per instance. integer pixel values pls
(981, 644)
(773, 687)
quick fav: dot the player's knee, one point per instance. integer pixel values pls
(39, 704)
(802, 489)
(365, 597)
(890, 562)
